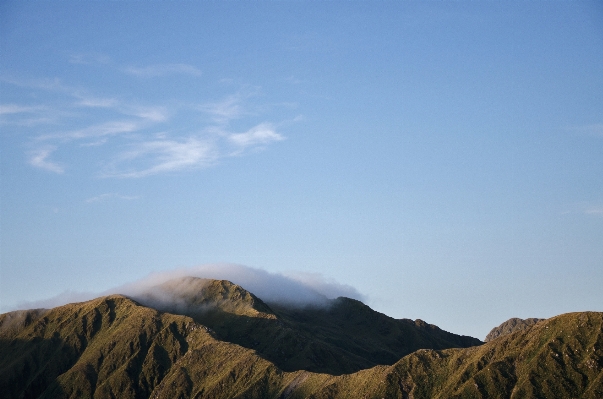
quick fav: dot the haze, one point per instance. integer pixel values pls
(441, 158)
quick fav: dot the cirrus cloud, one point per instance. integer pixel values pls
(39, 158)
(163, 70)
(258, 135)
(163, 156)
(134, 138)
(110, 196)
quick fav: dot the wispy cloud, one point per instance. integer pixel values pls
(594, 211)
(39, 158)
(110, 196)
(32, 115)
(135, 136)
(9, 109)
(89, 59)
(86, 101)
(151, 114)
(595, 129)
(163, 70)
(148, 71)
(106, 129)
(225, 110)
(585, 208)
(42, 84)
(259, 135)
(163, 156)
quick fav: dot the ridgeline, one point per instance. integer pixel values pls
(195, 338)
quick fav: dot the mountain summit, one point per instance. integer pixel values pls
(197, 296)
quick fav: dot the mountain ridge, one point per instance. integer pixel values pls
(115, 347)
(315, 336)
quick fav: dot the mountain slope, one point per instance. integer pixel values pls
(115, 347)
(561, 357)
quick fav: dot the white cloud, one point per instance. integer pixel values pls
(8, 109)
(164, 156)
(22, 115)
(584, 208)
(89, 59)
(595, 129)
(163, 70)
(261, 134)
(594, 211)
(109, 196)
(41, 84)
(226, 110)
(106, 129)
(94, 102)
(84, 120)
(298, 289)
(151, 114)
(39, 159)
(232, 107)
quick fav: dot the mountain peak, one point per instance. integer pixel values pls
(195, 296)
(510, 326)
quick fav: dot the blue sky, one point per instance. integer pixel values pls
(445, 159)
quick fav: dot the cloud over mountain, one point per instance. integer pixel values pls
(293, 289)
(270, 287)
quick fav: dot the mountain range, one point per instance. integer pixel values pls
(198, 338)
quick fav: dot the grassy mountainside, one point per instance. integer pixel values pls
(115, 347)
(561, 357)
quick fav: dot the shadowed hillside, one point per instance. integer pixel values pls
(116, 347)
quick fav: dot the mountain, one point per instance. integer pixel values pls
(561, 357)
(331, 336)
(116, 347)
(509, 326)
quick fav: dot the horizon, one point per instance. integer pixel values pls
(440, 160)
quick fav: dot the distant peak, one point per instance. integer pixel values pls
(510, 326)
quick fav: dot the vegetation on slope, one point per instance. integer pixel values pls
(114, 347)
(561, 357)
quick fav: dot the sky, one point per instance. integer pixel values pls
(441, 160)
